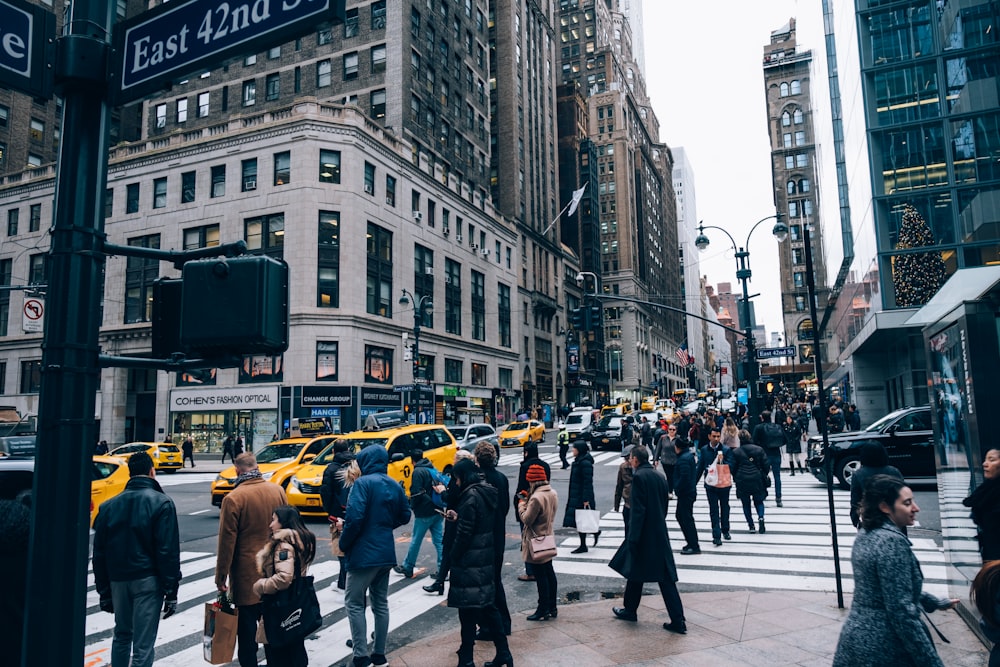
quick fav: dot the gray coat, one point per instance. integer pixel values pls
(884, 626)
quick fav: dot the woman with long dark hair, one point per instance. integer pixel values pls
(986, 597)
(985, 505)
(581, 491)
(292, 547)
(884, 626)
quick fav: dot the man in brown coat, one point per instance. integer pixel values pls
(244, 529)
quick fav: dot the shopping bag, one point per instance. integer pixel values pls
(588, 521)
(712, 477)
(291, 614)
(335, 541)
(219, 638)
(724, 476)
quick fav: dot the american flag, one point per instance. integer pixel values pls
(683, 356)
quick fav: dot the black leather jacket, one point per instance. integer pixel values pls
(136, 536)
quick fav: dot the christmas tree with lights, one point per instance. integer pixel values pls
(916, 276)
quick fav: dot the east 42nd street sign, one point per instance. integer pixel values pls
(174, 40)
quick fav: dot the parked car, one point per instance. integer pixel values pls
(608, 433)
(520, 433)
(906, 434)
(467, 435)
(166, 456)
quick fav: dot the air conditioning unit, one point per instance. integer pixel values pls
(250, 184)
(369, 189)
(417, 216)
(458, 238)
(390, 201)
(485, 252)
(447, 280)
(429, 270)
(445, 231)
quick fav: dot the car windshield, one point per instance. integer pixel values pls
(128, 449)
(610, 422)
(881, 423)
(326, 456)
(279, 453)
(517, 426)
(575, 418)
(458, 431)
(172, 449)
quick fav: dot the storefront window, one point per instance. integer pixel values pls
(378, 365)
(326, 361)
(195, 378)
(479, 375)
(261, 369)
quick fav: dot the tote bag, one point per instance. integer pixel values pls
(292, 614)
(588, 521)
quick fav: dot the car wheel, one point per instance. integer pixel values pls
(846, 469)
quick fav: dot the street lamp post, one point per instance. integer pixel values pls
(751, 369)
(419, 306)
(781, 233)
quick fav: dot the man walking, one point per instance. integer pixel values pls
(376, 506)
(425, 514)
(227, 449)
(333, 492)
(645, 554)
(563, 442)
(717, 496)
(137, 566)
(244, 529)
(686, 491)
(771, 438)
(187, 448)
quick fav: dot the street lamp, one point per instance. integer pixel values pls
(751, 371)
(420, 305)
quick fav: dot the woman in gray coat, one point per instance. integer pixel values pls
(884, 626)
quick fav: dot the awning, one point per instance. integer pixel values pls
(964, 285)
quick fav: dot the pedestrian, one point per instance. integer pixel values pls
(835, 419)
(102, 448)
(375, 507)
(239, 445)
(884, 625)
(486, 458)
(730, 433)
(750, 474)
(426, 514)
(563, 441)
(530, 454)
(646, 433)
(227, 449)
(666, 456)
(623, 487)
(288, 553)
(717, 492)
(986, 596)
(874, 461)
(244, 529)
(472, 591)
(984, 503)
(793, 443)
(645, 554)
(334, 491)
(581, 491)
(771, 438)
(686, 492)
(853, 418)
(450, 497)
(187, 447)
(137, 563)
(536, 509)
(15, 530)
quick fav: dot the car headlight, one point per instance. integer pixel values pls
(295, 482)
(224, 480)
(266, 475)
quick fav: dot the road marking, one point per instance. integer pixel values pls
(198, 512)
(186, 478)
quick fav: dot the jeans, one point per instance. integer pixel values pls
(685, 519)
(758, 501)
(718, 510)
(246, 635)
(545, 580)
(668, 589)
(375, 582)
(421, 524)
(668, 470)
(774, 459)
(137, 617)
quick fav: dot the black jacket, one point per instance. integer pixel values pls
(421, 484)
(472, 550)
(522, 482)
(985, 505)
(136, 536)
(581, 488)
(750, 468)
(768, 435)
(686, 475)
(333, 492)
(646, 554)
(498, 481)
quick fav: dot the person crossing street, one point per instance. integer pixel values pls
(716, 490)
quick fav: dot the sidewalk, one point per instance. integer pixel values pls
(725, 628)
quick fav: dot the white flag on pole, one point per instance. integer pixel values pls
(577, 196)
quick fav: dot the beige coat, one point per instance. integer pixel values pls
(276, 566)
(537, 514)
(244, 529)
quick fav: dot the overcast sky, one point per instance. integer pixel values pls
(705, 79)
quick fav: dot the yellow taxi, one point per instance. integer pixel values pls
(520, 433)
(166, 456)
(109, 475)
(622, 409)
(277, 461)
(386, 429)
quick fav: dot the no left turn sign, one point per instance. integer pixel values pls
(34, 313)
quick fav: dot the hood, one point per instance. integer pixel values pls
(422, 463)
(373, 459)
(343, 457)
(486, 492)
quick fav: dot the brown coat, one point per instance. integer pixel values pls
(276, 567)
(244, 529)
(537, 514)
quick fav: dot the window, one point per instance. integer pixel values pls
(31, 376)
(140, 274)
(369, 178)
(378, 365)
(12, 219)
(378, 59)
(160, 192)
(4, 116)
(377, 110)
(161, 115)
(5, 275)
(324, 36)
(790, 187)
(282, 168)
(109, 202)
(799, 279)
(789, 162)
(203, 104)
(478, 306)
(297, 81)
(350, 66)
(804, 185)
(329, 166)
(188, 187)
(326, 359)
(786, 119)
(794, 232)
(261, 369)
(218, 180)
(265, 234)
(801, 160)
(797, 255)
(414, 23)
(453, 371)
(201, 237)
(249, 93)
(431, 212)
(503, 314)
(390, 190)
(797, 116)
(182, 111)
(250, 60)
(800, 303)
(793, 209)
(36, 130)
(796, 87)
(478, 374)
(35, 217)
(351, 23)
(800, 138)
(328, 270)
(505, 378)
(249, 175)
(378, 15)
(132, 198)
(453, 297)
(783, 90)
(272, 86)
(786, 140)
(379, 283)
(324, 72)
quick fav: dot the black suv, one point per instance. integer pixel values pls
(906, 434)
(608, 433)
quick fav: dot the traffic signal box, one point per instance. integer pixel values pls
(587, 318)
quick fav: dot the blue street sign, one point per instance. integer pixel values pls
(27, 47)
(743, 395)
(177, 39)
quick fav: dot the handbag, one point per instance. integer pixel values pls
(541, 547)
(292, 614)
(587, 521)
(219, 637)
(335, 541)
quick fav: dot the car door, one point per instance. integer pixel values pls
(913, 442)
(102, 484)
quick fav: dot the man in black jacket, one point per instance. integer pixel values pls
(425, 514)
(530, 453)
(486, 458)
(686, 490)
(771, 438)
(334, 493)
(137, 563)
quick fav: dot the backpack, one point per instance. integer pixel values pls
(775, 436)
(438, 477)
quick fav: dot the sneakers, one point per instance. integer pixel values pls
(763, 528)
(378, 660)
(399, 569)
(680, 628)
(753, 529)
(778, 502)
(717, 541)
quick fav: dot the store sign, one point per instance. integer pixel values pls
(453, 391)
(224, 398)
(326, 396)
(380, 397)
(324, 412)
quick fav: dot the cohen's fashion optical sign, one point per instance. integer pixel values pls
(232, 398)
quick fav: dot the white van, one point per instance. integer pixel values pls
(579, 423)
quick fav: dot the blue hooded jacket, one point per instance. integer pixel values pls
(376, 506)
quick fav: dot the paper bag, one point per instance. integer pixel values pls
(219, 639)
(588, 521)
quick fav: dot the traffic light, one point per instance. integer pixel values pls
(576, 318)
(769, 387)
(594, 318)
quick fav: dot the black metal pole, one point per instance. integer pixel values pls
(827, 459)
(55, 614)
(416, 355)
(751, 370)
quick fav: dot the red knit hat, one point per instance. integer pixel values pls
(535, 473)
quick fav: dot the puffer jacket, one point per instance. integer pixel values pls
(472, 551)
(276, 566)
(581, 489)
(136, 536)
(376, 506)
(333, 491)
(537, 514)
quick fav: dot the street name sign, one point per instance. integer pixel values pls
(27, 48)
(177, 39)
(775, 352)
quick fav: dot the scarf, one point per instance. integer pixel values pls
(249, 474)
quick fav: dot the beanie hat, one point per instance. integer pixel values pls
(535, 473)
